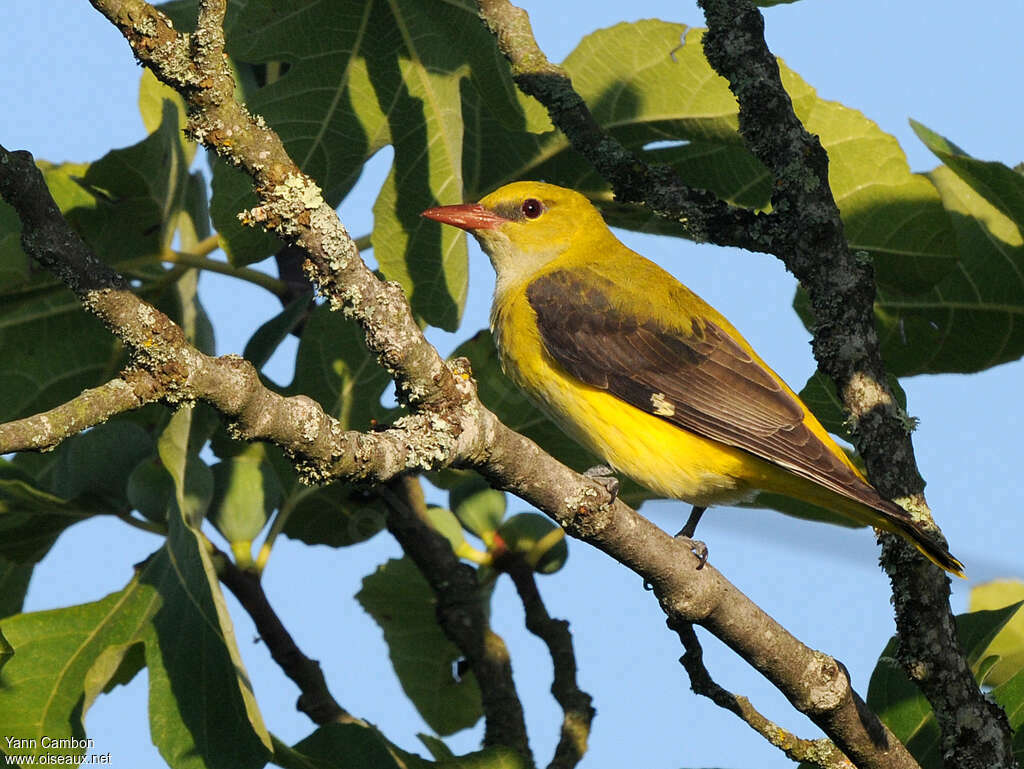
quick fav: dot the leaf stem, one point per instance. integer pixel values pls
(151, 526)
(199, 259)
(277, 526)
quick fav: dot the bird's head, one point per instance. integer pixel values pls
(525, 225)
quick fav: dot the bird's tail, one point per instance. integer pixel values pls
(931, 548)
(864, 504)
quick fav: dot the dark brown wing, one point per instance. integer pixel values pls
(701, 381)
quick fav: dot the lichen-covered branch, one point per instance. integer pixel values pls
(577, 711)
(461, 613)
(166, 367)
(706, 217)
(806, 232)
(841, 288)
(509, 460)
(291, 204)
(822, 752)
(44, 431)
(813, 682)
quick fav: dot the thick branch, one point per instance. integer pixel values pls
(806, 232)
(814, 683)
(841, 289)
(975, 730)
(578, 713)
(513, 463)
(291, 204)
(812, 242)
(478, 439)
(166, 367)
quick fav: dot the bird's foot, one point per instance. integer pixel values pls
(699, 548)
(603, 475)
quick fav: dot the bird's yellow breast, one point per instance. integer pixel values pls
(663, 457)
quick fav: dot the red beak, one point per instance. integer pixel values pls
(466, 216)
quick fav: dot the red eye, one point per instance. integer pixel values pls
(532, 208)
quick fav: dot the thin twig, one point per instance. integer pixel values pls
(249, 275)
(578, 712)
(460, 613)
(822, 752)
(165, 367)
(45, 430)
(152, 527)
(315, 700)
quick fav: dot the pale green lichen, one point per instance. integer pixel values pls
(335, 241)
(824, 691)
(310, 471)
(45, 436)
(309, 428)
(348, 299)
(147, 26)
(581, 499)
(908, 422)
(298, 188)
(366, 450)
(430, 441)
(864, 393)
(146, 314)
(918, 670)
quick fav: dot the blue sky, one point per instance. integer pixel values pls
(70, 94)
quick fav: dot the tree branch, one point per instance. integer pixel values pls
(460, 613)
(821, 753)
(578, 713)
(257, 278)
(166, 367)
(315, 700)
(510, 461)
(842, 291)
(94, 406)
(291, 205)
(658, 187)
(806, 232)
(814, 683)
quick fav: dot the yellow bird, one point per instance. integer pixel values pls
(645, 374)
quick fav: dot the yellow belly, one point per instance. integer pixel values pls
(668, 460)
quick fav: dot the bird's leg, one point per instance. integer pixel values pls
(699, 548)
(603, 475)
(691, 523)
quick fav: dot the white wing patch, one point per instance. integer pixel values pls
(662, 406)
